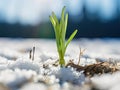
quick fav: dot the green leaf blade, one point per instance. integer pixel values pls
(52, 21)
(63, 13)
(65, 25)
(55, 18)
(70, 38)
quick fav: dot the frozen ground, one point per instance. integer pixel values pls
(18, 72)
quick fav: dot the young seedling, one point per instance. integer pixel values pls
(60, 27)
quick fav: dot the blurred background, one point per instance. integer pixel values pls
(30, 18)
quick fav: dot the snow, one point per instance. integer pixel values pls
(69, 75)
(18, 72)
(34, 86)
(22, 64)
(107, 81)
(15, 78)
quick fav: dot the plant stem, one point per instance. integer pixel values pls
(61, 57)
(62, 61)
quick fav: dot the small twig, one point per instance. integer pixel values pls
(30, 56)
(78, 67)
(33, 53)
(81, 54)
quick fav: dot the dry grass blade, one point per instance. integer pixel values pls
(81, 54)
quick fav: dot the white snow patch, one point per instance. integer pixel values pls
(69, 75)
(106, 81)
(24, 64)
(16, 77)
(34, 86)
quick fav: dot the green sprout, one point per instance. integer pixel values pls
(60, 27)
